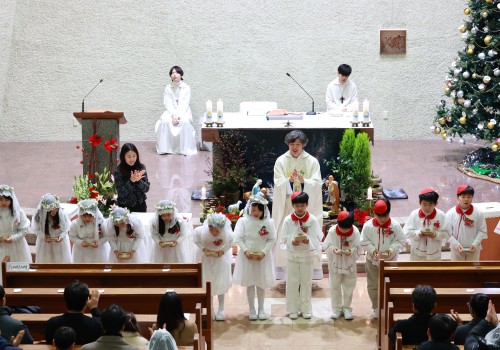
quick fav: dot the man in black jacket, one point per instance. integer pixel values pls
(478, 306)
(10, 327)
(488, 328)
(77, 297)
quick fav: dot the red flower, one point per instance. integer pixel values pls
(305, 229)
(73, 200)
(77, 146)
(468, 222)
(218, 242)
(91, 176)
(81, 162)
(437, 225)
(219, 209)
(263, 231)
(95, 140)
(111, 145)
(388, 231)
(346, 244)
(93, 193)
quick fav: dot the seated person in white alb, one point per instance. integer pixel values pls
(342, 92)
(174, 130)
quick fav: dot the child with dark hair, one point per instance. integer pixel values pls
(341, 93)
(170, 233)
(64, 338)
(414, 329)
(51, 225)
(382, 238)
(126, 237)
(302, 236)
(14, 226)
(467, 227)
(131, 180)
(441, 330)
(254, 267)
(425, 228)
(171, 317)
(131, 332)
(478, 307)
(341, 245)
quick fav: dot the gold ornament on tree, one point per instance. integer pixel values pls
(442, 121)
(463, 120)
(487, 39)
(490, 125)
(467, 11)
(437, 130)
(494, 148)
(462, 28)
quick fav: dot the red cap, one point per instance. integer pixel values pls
(380, 207)
(461, 188)
(294, 195)
(342, 215)
(427, 190)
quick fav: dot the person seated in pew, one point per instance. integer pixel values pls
(10, 327)
(131, 332)
(14, 342)
(171, 317)
(486, 334)
(77, 297)
(64, 338)
(162, 340)
(441, 330)
(414, 329)
(113, 320)
(478, 307)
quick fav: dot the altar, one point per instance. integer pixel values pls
(323, 131)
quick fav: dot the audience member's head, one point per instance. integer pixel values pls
(170, 312)
(478, 305)
(442, 328)
(64, 338)
(424, 299)
(2, 295)
(131, 323)
(113, 319)
(162, 340)
(76, 296)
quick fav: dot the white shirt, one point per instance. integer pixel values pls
(335, 91)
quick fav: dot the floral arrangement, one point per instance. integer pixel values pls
(100, 187)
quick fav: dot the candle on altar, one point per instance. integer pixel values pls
(209, 107)
(356, 111)
(366, 111)
(220, 110)
(369, 195)
(203, 193)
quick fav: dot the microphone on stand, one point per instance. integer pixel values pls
(311, 112)
(83, 101)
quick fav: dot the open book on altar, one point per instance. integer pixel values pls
(282, 114)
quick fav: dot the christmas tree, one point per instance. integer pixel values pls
(473, 83)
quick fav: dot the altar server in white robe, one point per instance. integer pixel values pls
(171, 235)
(14, 226)
(90, 244)
(126, 237)
(254, 267)
(174, 130)
(215, 239)
(295, 171)
(51, 226)
(341, 92)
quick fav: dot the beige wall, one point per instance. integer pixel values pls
(237, 50)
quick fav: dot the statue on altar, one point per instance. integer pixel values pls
(333, 195)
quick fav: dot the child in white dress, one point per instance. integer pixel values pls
(342, 246)
(254, 268)
(170, 233)
(90, 245)
(51, 225)
(126, 237)
(14, 226)
(215, 239)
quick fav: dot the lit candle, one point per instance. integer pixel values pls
(356, 111)
(209, 107)
(203, 193)
(220, 110)
(370, 193)
(366, 107)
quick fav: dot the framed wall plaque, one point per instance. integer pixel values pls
(392, 41)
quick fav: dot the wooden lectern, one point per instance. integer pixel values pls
(100, 139)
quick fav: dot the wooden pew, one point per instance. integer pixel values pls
(105, 275)
(463, 274)
(136, 300)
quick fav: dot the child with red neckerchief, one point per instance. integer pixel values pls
(302, 235)
(382, 238)
(426, 228)
(467, 227)
(342, 245)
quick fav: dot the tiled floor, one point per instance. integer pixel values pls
(36, 168)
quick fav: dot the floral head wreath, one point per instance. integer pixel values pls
(217, 220)
(257, 199)
(119, 215)
(88, 206)
(6, 190)
(50, 202)
(165, 206)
